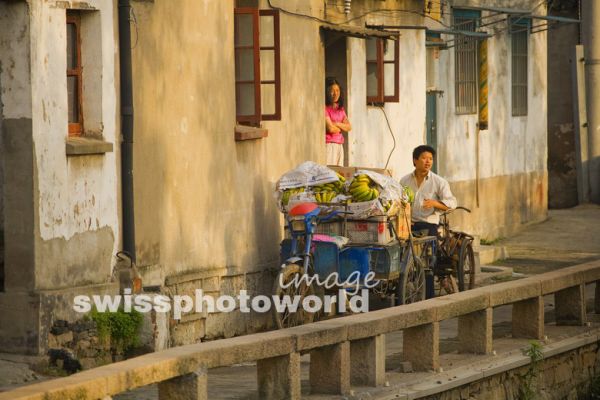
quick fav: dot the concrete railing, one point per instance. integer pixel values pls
(344, 351)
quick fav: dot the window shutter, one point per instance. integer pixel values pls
(270, 84)
(247, 65)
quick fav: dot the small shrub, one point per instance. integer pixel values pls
(121, 328)
(527, 389)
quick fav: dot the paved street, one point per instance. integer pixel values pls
(568, 237)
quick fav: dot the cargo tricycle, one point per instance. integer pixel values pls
(392, 269)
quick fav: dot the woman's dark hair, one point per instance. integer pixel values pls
(328, 100)
(422, 149)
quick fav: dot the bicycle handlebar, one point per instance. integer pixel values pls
(457, 208)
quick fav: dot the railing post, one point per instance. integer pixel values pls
(367, 361)
(330, 369)
(528, 318)
(192, 386)
(421, 346)
(279, 377)
(569, 305)
(475, 332)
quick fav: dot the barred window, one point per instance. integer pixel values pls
(465, 62)
(519, 35)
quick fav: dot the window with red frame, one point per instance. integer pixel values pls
(383, 57)
(257, 73)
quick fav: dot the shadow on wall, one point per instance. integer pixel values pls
(1, 187)
(506, 203)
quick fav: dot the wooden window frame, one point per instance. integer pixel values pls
(255, 118)
(380, 62)
(76, 129)
(275, 48)
(466, 59)
(519, 105)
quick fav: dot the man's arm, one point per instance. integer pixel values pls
(446, 198)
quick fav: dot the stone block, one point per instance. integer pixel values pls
(365, 325)
(421, 346)
(64, 338)
(239, 349)
(192, 386)
(461, 303)
(319, 334)
(187, 332)
(406, 367)
(590, 271)
(367, 361)
(528, 318)
(231, 285)
(409, 315)
(211, 284)
(475, 332)
(560, 279)
(569, 306)
(330, 369)
(279, 377)
(510, 292)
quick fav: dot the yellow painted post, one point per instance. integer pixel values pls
(433, 9)
(483, 85)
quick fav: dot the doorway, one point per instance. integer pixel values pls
(336, 67)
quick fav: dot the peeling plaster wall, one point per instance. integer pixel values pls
(511, 146)
(77, 195)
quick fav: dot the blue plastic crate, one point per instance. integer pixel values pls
(354, 259)
(325, 256)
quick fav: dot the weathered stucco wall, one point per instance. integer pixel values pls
(16, 144)
(77, 197)
(562, 171)
(511, 147)
(204, 200)
(371, 140)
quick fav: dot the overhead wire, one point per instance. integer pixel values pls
(393, 137)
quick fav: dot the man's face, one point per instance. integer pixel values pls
(424, 162)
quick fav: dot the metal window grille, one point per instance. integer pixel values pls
(519, 55)
(465, 65)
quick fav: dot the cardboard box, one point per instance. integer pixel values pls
(374, 230)
(348, 172)
(403, 221)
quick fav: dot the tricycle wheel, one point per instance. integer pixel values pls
(466, 266)
(411, 286)
(288, 318)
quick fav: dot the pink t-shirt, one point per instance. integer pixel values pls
(335, 115)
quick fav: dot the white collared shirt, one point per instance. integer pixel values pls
(433, 187)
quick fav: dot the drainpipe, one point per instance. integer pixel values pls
(591, 41)
(126, 129)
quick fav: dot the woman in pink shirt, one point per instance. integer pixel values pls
(336, 122)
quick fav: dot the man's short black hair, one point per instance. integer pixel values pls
(422, 149)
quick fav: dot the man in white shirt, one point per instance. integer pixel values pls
(432, 192)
